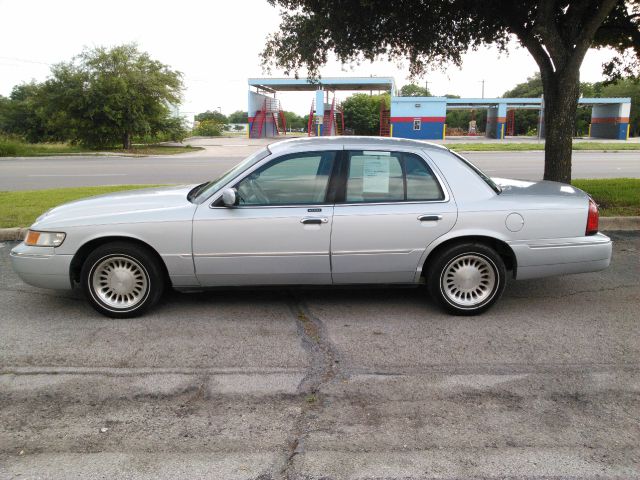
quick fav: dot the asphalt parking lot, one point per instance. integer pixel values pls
(367, 383)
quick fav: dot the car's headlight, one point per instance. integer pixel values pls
(44, 239)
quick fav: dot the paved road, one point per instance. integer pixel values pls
(320, 383)
(38, 173)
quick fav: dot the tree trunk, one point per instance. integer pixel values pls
(126, 141)
(561, 92)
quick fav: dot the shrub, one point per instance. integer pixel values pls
(208, 128)
(9, 147)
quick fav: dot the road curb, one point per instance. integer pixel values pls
(606, 224)
(12, 234)
(619, 223)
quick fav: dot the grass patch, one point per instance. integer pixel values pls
(21, 208)
(14, 148)
(520, 147)
(615, 196)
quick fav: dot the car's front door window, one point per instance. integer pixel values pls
(295, 179)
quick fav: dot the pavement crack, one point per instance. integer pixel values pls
(324, 367)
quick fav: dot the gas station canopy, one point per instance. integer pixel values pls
(326, 83)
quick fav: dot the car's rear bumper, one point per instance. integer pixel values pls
(543, 258)
(42, 267)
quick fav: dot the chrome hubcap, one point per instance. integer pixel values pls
(468, 280)
(120, 282)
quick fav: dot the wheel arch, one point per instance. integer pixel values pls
(501, 247)
(83, 252)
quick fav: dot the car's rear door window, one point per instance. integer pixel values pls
(385, 176)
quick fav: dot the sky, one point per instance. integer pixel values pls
(216, 45)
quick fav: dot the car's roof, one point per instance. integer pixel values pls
(346, 141)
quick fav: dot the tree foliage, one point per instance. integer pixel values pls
(556, 33)
(413, 90)
(362, 112)
(208, 128)
(238, 117)
(212, 115)
(100, 98)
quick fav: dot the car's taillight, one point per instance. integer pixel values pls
(592, 218)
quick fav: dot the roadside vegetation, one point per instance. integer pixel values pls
(16, 147)
(21, 208)
(616, 197)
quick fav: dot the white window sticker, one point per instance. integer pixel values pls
(375, 175)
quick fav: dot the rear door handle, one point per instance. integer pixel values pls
(429, 218)
(314, 220)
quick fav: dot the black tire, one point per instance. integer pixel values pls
(122, 280)
(466, 278)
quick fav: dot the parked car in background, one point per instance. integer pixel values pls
(319, 211)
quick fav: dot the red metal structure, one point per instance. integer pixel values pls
(511, 122)
(385, 120)
(258, 122)
(270, 113)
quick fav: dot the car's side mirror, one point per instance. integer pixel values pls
(230, 197)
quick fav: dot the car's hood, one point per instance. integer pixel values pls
(120, 207)
(541, 188)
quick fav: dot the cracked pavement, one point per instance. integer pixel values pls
(313, 383)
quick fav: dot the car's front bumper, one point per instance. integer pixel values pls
(543, 258)
(42, 267)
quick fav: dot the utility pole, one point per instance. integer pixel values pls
(482, 82)
(426, 85)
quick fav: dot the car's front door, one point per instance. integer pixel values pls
(393, 207)
(280, 231)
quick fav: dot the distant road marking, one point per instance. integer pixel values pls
(80, 175)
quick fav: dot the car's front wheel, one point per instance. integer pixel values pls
(467, 279)
(122, 280)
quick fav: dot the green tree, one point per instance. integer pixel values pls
(209, 115)
(362, 112)
(106, 96)
(413, 90)
(22, 114)
(238, 117)
(293, 120)
(556, 33)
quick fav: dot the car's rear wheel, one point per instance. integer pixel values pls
(122, 280)
(467, 279)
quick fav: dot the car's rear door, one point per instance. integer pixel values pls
(391, 208)
(278, 234)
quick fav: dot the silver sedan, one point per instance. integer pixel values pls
(319, 211)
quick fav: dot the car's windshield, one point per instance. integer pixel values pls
(496, 188)
(200, 193)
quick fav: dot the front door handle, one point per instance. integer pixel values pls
(429, 218)
(314, 220)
